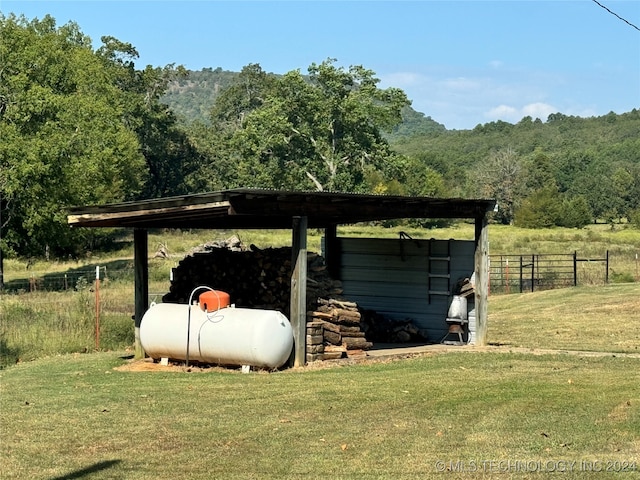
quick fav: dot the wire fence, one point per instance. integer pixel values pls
(73, 279)
(508, 274)
(94, 304)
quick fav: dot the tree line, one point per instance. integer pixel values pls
(81, 126)
(567, 171)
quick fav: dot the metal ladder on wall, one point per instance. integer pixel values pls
(439, 284)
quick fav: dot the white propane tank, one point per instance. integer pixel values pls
(228, 336)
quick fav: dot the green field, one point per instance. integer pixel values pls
(622, 241)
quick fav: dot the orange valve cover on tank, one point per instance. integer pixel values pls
(214, 300)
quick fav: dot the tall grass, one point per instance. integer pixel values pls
(42, 324)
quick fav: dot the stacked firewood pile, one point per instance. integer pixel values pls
(342, 326)
(385, 330)
(253, 277)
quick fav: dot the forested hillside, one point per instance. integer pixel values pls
(85, 126)
(192, 97)
(535, 167)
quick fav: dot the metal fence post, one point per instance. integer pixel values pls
(521, 281)
(533, 270)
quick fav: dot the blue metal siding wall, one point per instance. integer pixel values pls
(392, 277)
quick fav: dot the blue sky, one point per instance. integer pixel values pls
(461, 62)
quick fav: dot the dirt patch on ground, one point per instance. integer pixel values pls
(381, 356)
(149, 365)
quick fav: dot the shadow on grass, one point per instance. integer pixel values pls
(9, 355)
(96, 467)
(73, 278)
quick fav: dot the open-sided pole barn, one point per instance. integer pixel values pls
(238, 209)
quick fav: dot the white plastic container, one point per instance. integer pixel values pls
(458, 309)
(228, 336)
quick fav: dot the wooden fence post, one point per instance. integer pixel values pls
(97, 308)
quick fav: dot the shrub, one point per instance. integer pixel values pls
(575, 213)
(542, 209)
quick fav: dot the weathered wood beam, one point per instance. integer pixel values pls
(299, 290)
(166, 213)
(481, 261)
(141, 287)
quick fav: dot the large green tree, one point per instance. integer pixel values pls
(79, 127)
(63, 138)
(169, 155)
(322, 131)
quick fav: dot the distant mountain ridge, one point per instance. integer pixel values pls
(191, 99)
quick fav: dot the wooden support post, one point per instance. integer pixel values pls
(299, 290)
(141, 288)
(482, 278)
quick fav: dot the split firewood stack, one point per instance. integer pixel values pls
(385, 330)
(342, 327)
(253, 277)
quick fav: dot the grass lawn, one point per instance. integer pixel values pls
(603, 319)
(503, 415)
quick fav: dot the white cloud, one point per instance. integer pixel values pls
(502, 112)
(538, 110)
(402, 79)
(511, 114)
(461, 84)
(460, 98)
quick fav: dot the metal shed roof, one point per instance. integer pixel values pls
(256, 208)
